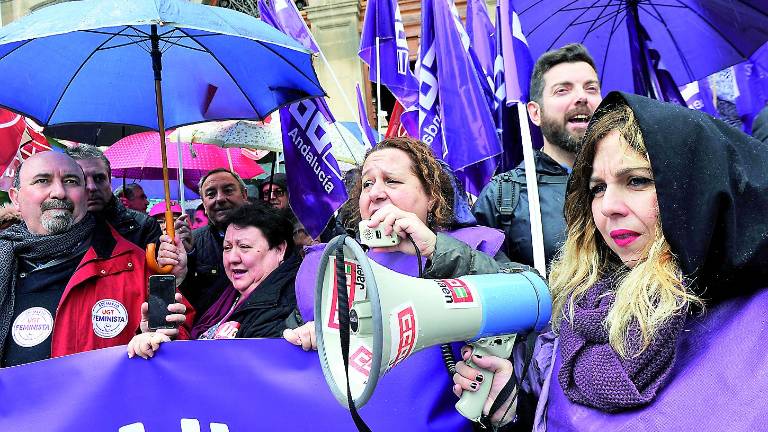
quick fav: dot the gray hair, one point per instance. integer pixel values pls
(87, 151)
(216, 171)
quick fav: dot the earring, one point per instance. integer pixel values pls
(431, 219)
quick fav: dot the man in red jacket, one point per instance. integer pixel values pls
(68, 282)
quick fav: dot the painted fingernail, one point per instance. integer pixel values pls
(473, 385)
(478, 356)
(479, 378)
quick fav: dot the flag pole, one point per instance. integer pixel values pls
(378, 87)
(336, 80)
(537, 237)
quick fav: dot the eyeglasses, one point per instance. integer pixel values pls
(277, 193)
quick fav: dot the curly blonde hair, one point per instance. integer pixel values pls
(649, 293)
(424, 165)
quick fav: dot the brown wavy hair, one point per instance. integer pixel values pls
(434, 180)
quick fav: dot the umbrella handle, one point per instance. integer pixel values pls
(154, 267)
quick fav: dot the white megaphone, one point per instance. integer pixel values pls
(393, 316)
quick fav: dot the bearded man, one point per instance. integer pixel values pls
(61, 265)
(564, 93)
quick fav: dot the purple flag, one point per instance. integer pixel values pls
(511, 52)
(518, 63)
(663, 82)
(315, 184)
(469, 132)
(698, 96)
(283, 15)
(368, 137)
(382, 21)
(430, 129)
(752, 84)
(481, 35)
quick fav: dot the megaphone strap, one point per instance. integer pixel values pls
(512, 385)
(343, 302)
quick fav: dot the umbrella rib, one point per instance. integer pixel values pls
(536, 27)
(715, 29)
(13, 50)
(680, 53)
(614, 27)
(741, 2)
(285, 59)
(569, 26)
(135, 39)
(234, 81)
(72, 78)
(606, 18)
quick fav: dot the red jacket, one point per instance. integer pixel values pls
(101, 305)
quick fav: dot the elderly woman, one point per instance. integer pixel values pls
(659, 299)
(261, 263)
(403, 189)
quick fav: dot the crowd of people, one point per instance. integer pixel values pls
(654, 229)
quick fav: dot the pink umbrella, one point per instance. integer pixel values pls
(138, 157)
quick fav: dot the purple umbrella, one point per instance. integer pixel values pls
(694, 38)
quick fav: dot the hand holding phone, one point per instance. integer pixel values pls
(162, 290)
(374, 237)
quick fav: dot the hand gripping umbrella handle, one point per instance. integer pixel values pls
(154, 267)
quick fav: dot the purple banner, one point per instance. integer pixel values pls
(315, 185)
(218, 386)
(383, 22)
(283, 15)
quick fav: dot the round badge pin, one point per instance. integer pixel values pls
(32, 327)
(109, 318)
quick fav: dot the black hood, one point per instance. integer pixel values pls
(712, 189)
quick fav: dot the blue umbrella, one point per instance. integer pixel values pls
(694, 38)
(100, 61)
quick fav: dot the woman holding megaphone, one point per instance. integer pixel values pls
(659, 292)
(403, 189)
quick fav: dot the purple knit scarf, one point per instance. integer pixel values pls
(595, 375)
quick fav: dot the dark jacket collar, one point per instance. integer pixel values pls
(545, 165)
(103, 241)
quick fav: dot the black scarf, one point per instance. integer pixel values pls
(17, 242)
(712, 188)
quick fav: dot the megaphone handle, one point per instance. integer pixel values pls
(471, 403)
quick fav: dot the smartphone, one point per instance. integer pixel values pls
(374, 237)
(162, 291)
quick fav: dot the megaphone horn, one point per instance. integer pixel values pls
(392, 316)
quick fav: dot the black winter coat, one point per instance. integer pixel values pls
(136, 227)
(205, 279)
(552, 182)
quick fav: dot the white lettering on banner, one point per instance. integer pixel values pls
(187, 425)
(428, 98)
(430, 131)
(402, 44)
(312, 121)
